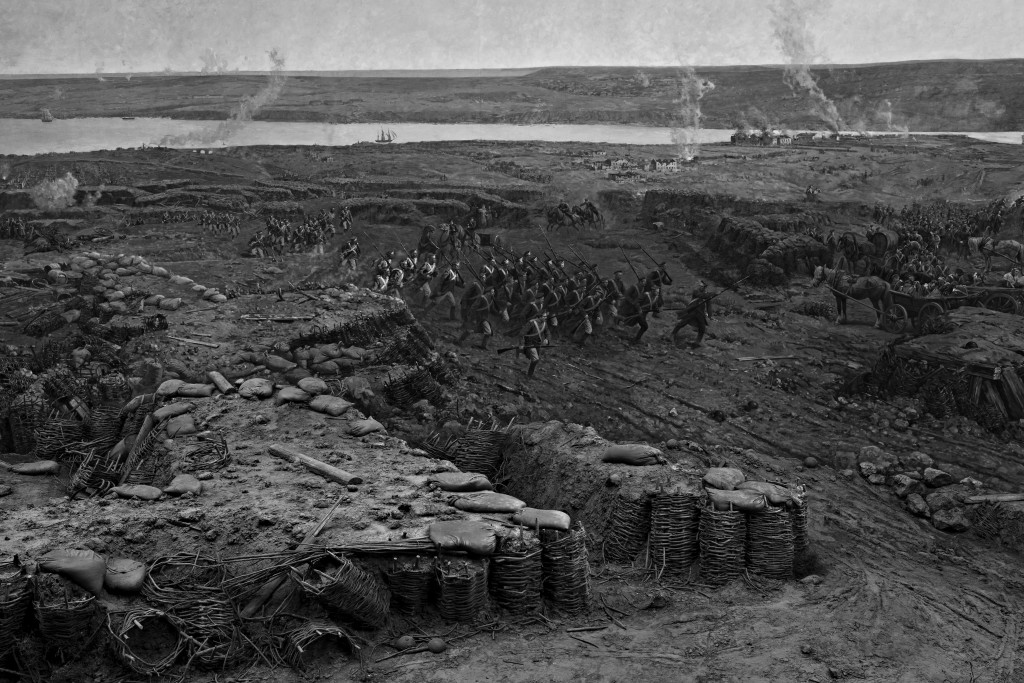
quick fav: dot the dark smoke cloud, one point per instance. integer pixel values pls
(243, 113)
(790, 23)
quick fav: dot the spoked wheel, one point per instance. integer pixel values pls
(895, 319)
(1004, 303)
(930, 311)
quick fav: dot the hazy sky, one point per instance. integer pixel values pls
(47, 36)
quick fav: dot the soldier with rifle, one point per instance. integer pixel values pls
(535, 335)
(446, 289)
(696, 312)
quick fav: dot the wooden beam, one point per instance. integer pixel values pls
(323, 469)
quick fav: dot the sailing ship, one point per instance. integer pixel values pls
(47, 116)
(389, 136)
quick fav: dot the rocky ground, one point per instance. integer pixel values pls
(901, 590)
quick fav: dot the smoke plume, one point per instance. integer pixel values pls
(213, 63)
(691, 91)
(5, 171)
(886, 115)
(793, 34)
(55, 194)
(247, 108)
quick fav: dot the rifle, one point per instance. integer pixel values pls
(656, 264)
(638, 278)
(700, 301)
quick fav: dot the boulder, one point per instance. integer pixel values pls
(936, 478)
(182, 484)
(951, 520)
(884, 462)
(917, 505)
(876, 479)
(256, 388)
(169, 304)
(916, 460)
(868, 469)
(903, 486)
(944, 499)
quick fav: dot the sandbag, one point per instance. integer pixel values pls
(776, 495)
(313, 386)
(153, 300)
(182, 484)
(218, 298)
(160, 271)
(744, 501)
(140, 491)
(357, 387)
(330, 405)
(634, 454)
(278, 364)
(169, 304)
(468, 536)
(325, 368)
(182, 425)
(83, 568)
(460, 482)
(488, 501)
(364, 427)
(180, 280)
(124, 575)
(169, 387)
(723, 478)
(256, 388)
(291, 395)
(353, 352)
(296, 374)
(36, 468)
(545, 519)
(196, 390)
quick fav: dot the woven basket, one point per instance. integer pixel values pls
(146, 640)
(517, 574)
(463, 592)
(64, 612)
(410, 582)
(628, 527)
(675, 521)
(566, 570)
(723, 535)
(15, 600)
(301, 643)
(770, 543)
(347, 590)
(801, 542)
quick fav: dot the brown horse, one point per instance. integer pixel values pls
(845, 287)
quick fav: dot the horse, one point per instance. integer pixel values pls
(875, 289)
(588, 214)
(558, 218)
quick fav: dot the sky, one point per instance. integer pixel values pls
(88, 36)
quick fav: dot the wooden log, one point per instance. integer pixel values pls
(323, 469)
(995, 498)
(195, 341)
(1013, 388)
(220, 381)
(993, 397)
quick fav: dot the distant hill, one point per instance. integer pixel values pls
(946, 95)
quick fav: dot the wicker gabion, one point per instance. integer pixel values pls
(517, 573)
(723, 535)
(410, 581)
(64, 612)
(478, 450)
(463, 589)
(146, 640)
(770, 543)
(301, 642)
(566, 570)
(675, 521)
(799, 518)
(628, 527)
(347, 590)
(15, 600)
(212, 454)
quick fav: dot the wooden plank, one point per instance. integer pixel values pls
(993, 397)
(195, 341)
(1013, 390)
(995, 498)
(323, 469)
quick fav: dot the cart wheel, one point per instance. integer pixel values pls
(1004, 303)
(895, 319)
(928, 312)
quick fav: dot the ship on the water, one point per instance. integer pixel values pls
(47, 116)
(384, 137)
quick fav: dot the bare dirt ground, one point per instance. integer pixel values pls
(897, 600)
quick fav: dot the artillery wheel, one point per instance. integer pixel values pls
(928, 312)
(1004, 303)
(895, 319)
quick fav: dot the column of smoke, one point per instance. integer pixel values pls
(247, 108)
(55, 194)
(885, 113)
(5, 171)
(790, 24)
(691, 91)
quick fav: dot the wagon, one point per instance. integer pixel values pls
(491, 240)
(909, 309)
(883, 239)
(1002, 299)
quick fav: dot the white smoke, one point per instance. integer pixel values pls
(213, 63)
(886, 114)
(793, 34)
(5, 170)
(692, 89)
(243, 113)
(55, 194)
(642, 79)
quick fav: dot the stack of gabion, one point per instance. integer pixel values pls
(516, 573)
(479, 450)
(64, 612)
(675, 520)
(770, 543)
(415, 385)
(410, 582)
(15, 600)
(628, 526)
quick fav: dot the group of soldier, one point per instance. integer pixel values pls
(313, 233)
(525, 296)
(221, 222)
